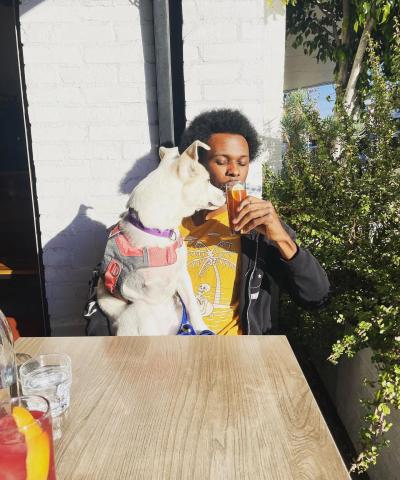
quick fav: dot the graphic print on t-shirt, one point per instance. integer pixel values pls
(213, 267)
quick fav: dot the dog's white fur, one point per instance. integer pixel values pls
(175, 190)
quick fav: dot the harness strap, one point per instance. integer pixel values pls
(145, 257)
(123, 254)
(111, 276)
(152, 256)
(185, 327)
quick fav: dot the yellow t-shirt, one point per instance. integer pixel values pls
(213, 264)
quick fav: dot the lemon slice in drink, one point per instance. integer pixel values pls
(238, 192)
(37, 444)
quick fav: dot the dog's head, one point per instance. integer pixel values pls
(197, 191)
(176, 189)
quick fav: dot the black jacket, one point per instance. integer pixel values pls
(264, 273)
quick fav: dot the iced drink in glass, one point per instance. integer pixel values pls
(235, 194)
(50, 376)
(26, 440)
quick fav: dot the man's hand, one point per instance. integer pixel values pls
(260, 215)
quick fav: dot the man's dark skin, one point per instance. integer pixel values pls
(227, 160)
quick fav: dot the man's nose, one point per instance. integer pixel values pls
(232, 171)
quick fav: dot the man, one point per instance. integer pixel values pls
(237, 278)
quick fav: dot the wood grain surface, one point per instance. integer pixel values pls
(189, 408)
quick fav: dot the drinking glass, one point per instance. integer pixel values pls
(26, 441)
(235, 194)
(50, 376)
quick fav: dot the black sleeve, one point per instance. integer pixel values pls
(97, 324)
(304, 278)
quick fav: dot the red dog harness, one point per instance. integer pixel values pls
(121, 259)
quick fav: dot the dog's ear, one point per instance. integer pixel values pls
(192, 152)
(187, 164)
(161, 152)
(168, 153)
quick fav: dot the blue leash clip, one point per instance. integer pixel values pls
(186, 327)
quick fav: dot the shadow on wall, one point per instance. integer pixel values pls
(140, 169)
(71, 255)
(145, 164)
(26, 5)
(69, 258)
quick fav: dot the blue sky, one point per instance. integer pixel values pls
(320, 94)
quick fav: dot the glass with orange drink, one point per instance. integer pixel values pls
(26, 441)
(235, 194)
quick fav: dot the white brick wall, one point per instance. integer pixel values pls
(90, 74)
(92, 108)
(234, 57)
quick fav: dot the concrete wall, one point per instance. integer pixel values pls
(345, 387)
(90, 75)
(302, 71)
(234, 57)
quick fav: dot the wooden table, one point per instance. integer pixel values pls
(189, 408)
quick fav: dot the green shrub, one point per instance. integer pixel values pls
(346, 209)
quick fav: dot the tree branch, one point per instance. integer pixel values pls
(350, 93)
(343, 43)
(335, 34)
(326, 30)
(346, 23)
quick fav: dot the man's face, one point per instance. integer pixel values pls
(228, 158)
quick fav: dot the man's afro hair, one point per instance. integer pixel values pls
(222, 120)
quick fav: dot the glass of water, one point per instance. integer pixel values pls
(50, 376)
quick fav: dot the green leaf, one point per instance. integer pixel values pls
(366, 6)
(385, 12)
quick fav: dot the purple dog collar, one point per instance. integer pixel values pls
(152, 231)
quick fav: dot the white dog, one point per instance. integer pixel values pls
(144, 268)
